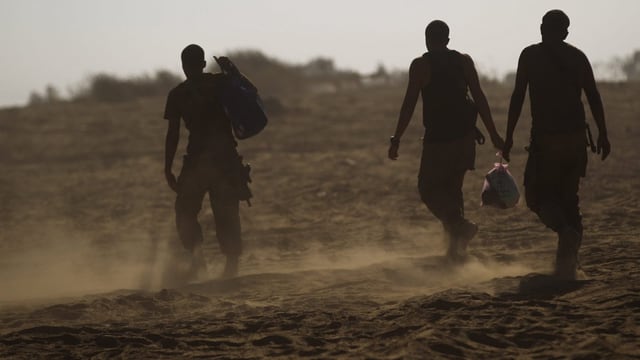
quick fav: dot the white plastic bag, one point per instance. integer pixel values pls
(500, 189)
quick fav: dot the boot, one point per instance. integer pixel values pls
(467, 231)
(231, 267)
(459, 237)
(566, 265)
(198, 267)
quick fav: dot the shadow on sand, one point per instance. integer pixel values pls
(548, 286)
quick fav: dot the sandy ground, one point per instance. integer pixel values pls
(341, 258)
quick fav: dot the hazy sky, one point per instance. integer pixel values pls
(62, 42)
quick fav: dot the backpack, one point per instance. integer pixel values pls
(241, 101)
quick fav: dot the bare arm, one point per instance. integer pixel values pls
(418, 78)
(597, 110)
(515, 106)
(471, 76)
(170, 147)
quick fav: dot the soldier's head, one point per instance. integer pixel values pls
(555, 26)
(193, 60)
(437, 35)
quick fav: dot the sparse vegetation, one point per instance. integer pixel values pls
(51, 95)
(275, 78)
(109, 88)
(631, 66)
(271, 76)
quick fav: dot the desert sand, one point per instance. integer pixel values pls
(341, 259)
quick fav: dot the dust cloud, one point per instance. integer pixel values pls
(69, 263)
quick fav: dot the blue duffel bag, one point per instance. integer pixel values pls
(241, 101)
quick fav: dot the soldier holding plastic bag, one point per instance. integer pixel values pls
(444, 77)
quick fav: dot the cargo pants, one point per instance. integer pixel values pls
(552, 177)
(442, 169)
(216, 176)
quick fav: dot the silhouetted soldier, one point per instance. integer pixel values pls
(443, 77)
(556, 74)
(211, 163)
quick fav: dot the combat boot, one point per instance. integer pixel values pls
(459, 238)
(566, 265)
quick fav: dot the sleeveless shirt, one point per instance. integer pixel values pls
(446, 106)
(554, 89)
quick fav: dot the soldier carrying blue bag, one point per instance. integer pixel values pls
(214, 107)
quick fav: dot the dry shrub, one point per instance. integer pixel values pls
(110, 88)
